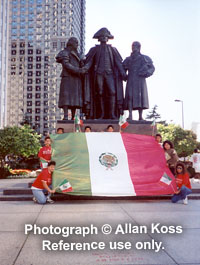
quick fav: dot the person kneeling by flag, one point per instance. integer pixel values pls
(42, 183)
(183, 184)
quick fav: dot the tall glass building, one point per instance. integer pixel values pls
(3, 59)
(38, 30)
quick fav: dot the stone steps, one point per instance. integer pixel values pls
(24, 193)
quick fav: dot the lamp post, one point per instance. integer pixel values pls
(178, 100)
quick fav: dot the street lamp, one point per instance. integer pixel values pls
(178, 100)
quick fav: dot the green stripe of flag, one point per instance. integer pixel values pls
(70, 152)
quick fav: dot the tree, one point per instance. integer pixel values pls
(154, 115)
(185, 141)
(18, 142)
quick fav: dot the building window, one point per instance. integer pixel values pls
(45, 110)
(45, 73)
(30, 81)
(37, 125)
(38, 73)
(37, 103)
(37, 110)
(38, 51)
(45, 103)
(46, 58)
(22, 24)
(38, 66)
(30, 73)
(45, 88)
(13, 52)
(29, 110)
(30, 44)
(37, 118)
(29, 95)
(30, 66)
(45, 125)
(37, 95)
(14, 45)
(14, 32)
(46, 66)
(62, 44)
(38, 58)
(22, 44)
(46, 81)
(29, 88)
(29, 103)
(30, 51)
(54, 45)
(30, 59)
(22, 52)
(38, 81)
(45, 118)
(45, 95)
(30, 37)
(38, 88)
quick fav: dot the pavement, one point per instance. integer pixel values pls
(100, 232)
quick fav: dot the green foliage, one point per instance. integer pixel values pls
(18, 142)
(154, 115)
(185, 141)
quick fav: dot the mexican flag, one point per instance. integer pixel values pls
(110, 164)
(122, 122)
(78, 121)
(64, 186)
(165, 179)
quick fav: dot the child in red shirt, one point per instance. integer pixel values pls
(183, 184)
(45, 152)
(43, 181)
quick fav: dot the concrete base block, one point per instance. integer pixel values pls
(136, 127)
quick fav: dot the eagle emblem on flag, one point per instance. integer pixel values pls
(108, 160)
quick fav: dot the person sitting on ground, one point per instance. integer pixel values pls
(158, 139)
(60, 130)
(42, 183)
(110, 128)
(183, 184)
(88, 129)
(45, 152)
(170, 155)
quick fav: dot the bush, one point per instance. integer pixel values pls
(4, 172)
(19, 147)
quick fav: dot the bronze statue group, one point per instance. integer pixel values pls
(95, 84)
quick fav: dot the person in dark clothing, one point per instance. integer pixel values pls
(139, 67)
(103, 91)
(170, 155)
(70, 96)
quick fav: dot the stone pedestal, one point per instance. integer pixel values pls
(136, 127)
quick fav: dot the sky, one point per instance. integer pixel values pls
(169, 33)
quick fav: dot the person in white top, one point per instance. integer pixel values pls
(195, 159)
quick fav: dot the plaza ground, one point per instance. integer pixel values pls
(18, 248)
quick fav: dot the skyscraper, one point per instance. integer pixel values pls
(38, 29)
(3, 59)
